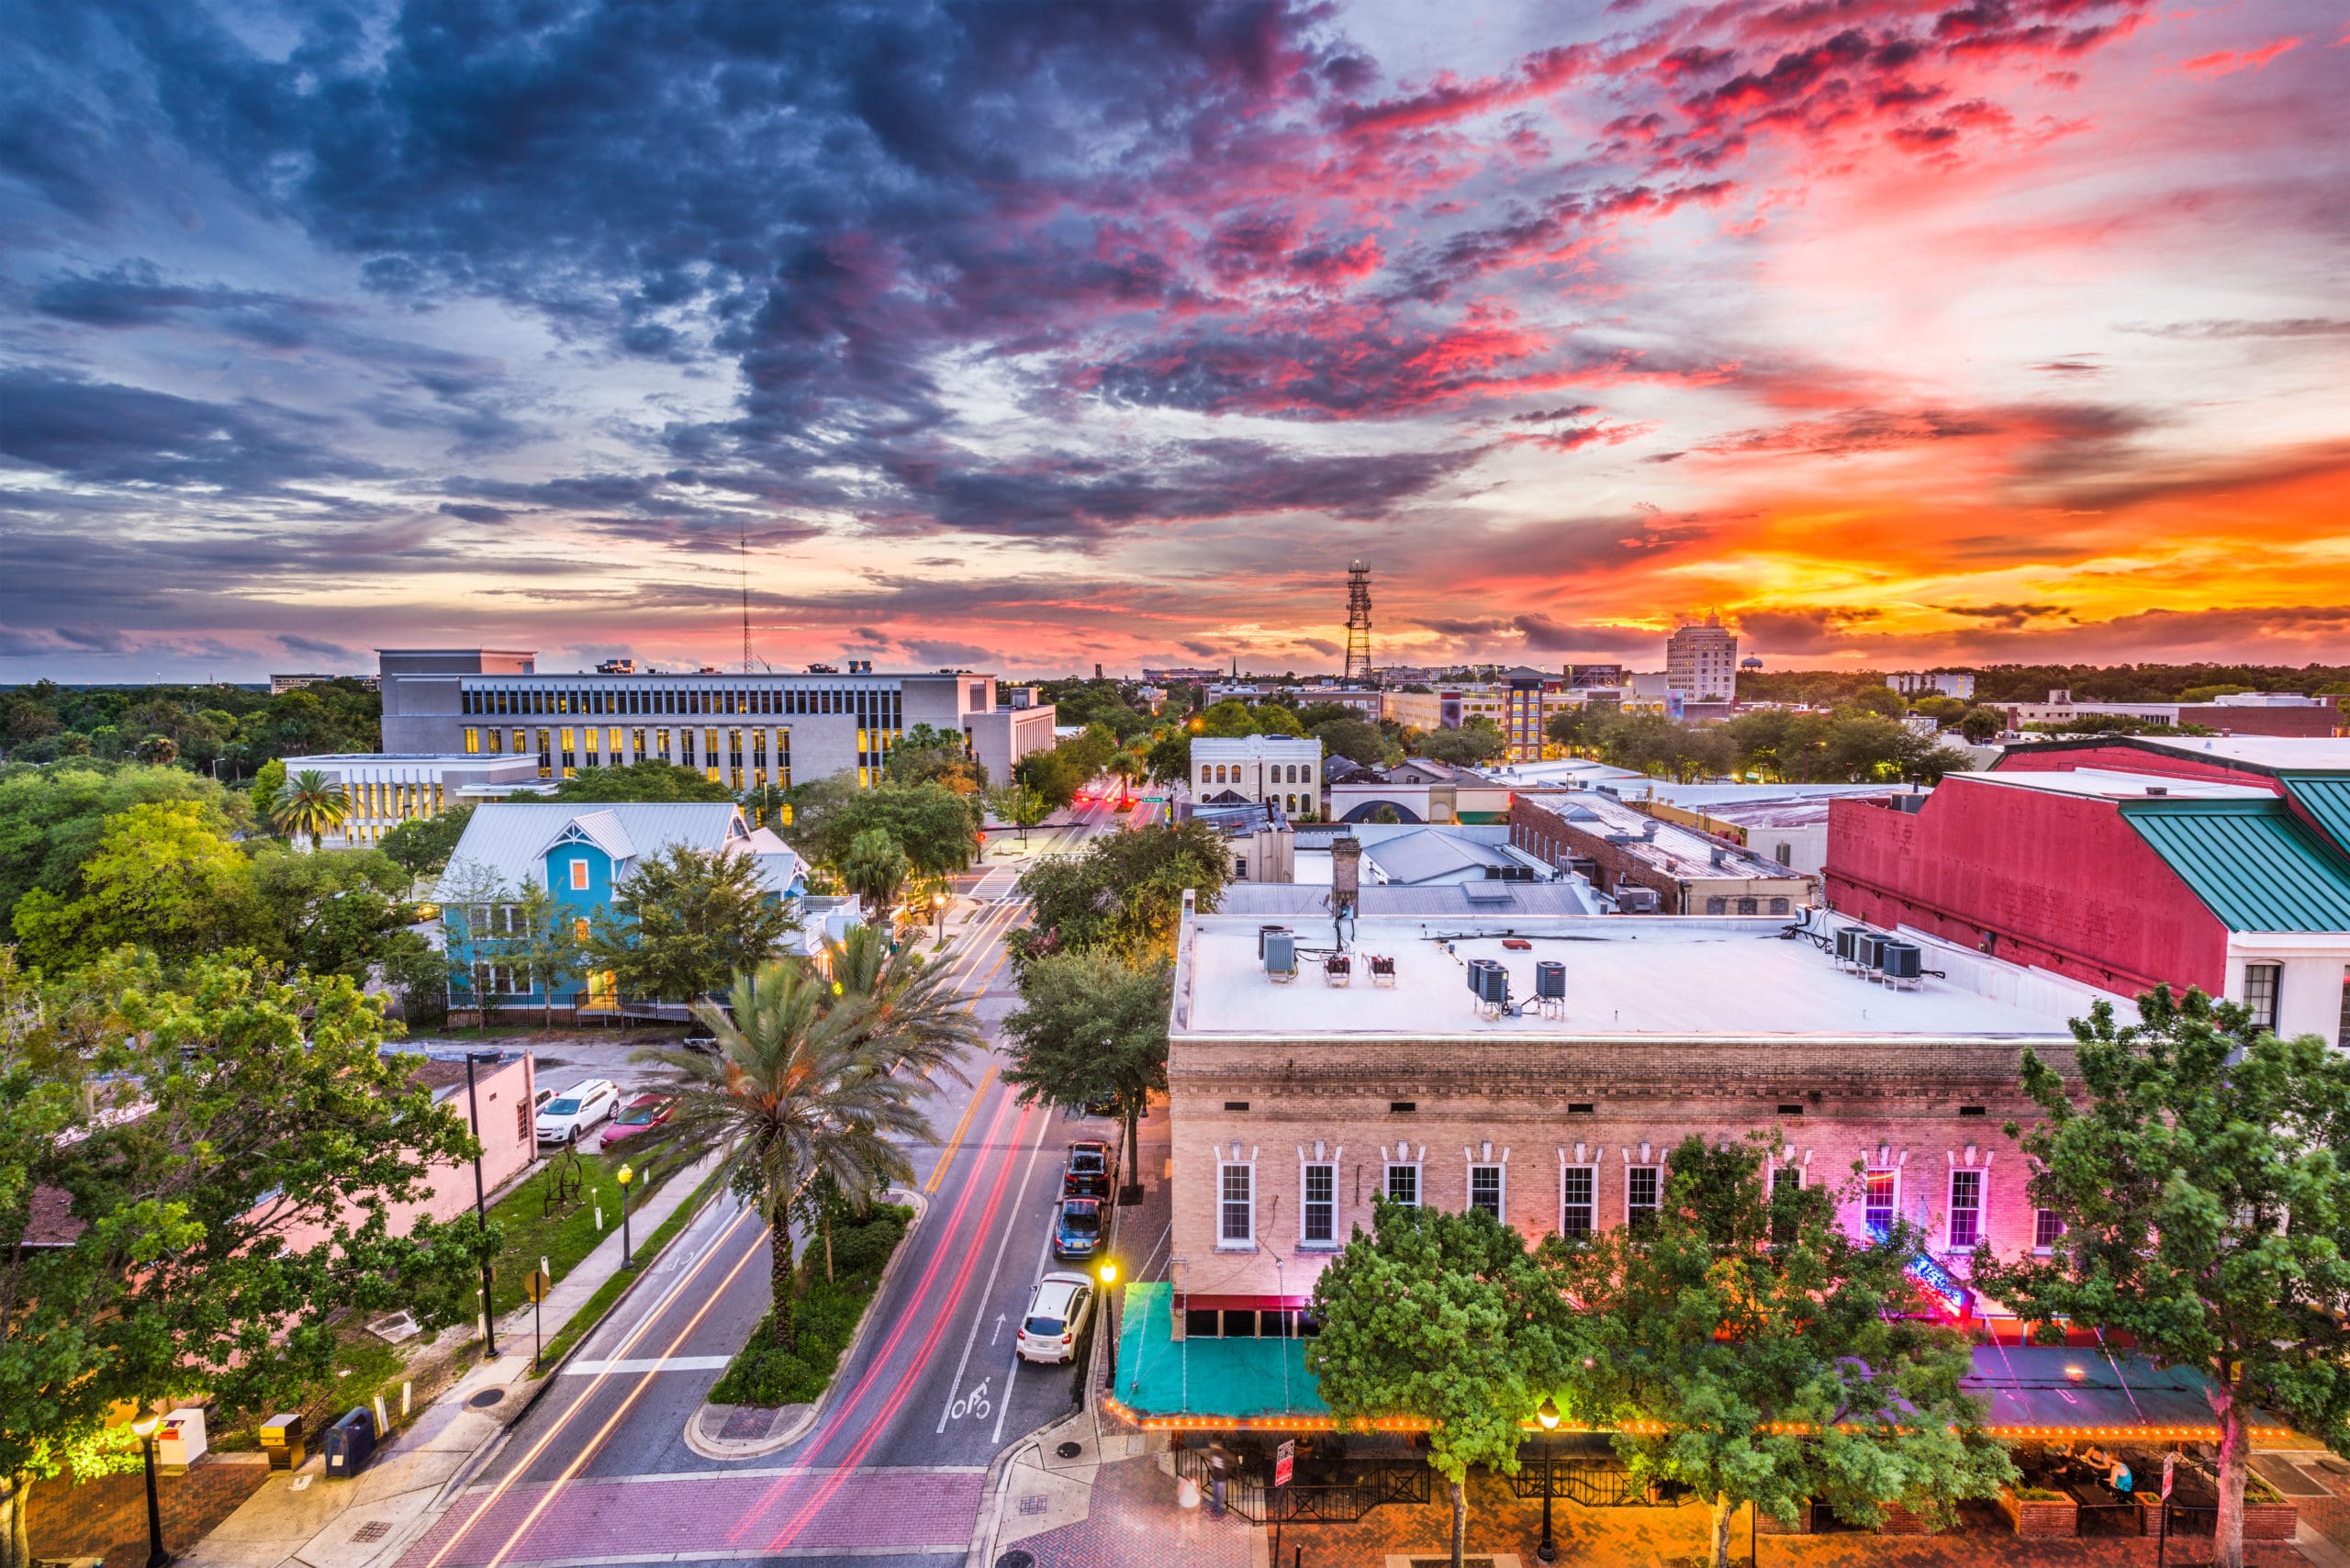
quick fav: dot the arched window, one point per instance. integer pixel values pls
(1779, 906)
(1717, 906)
(1293, 803)
(1294, 775)
(1747, 906)
(1221, 780)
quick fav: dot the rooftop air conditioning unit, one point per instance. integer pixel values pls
(1489, 982)
(1281, 956)
(1901, 963)
(1551, 980)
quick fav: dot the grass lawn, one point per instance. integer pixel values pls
(530, 1230)
(824, 1316)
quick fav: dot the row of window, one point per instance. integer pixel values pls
(882, 708)
(371, 798)
(1578, 1201)
(729, 762)
(1718, 904)
(1275, 773)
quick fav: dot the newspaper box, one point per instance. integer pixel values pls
(179, 1441)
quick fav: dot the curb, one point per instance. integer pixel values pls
(544, 1380)
(725, 1448)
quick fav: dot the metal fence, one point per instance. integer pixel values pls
(1338, 1502)
(1594, 1483)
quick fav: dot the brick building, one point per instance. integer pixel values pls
(2124, 863)
(1295, 1103)
(1621, 848)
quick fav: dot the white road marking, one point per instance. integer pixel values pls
(980, 1315)
(1041, 1252)
(648, 1364)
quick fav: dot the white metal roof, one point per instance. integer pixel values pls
(2323, 752)
(508, 839)
(2116, 784)
(1628, 976)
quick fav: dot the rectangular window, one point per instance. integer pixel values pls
(2342, 1034)
(2261, 984)
(1404, 1184)
(1486, 1189)
(1643, 1185)
(473, 743)
(1576, 1210)
(570, 752)
(579, 925)
(685, 748)
(1965, 1209)
(523, 1119)
(496, 742)
(546, 754)
(1235, 1210)
(1321, 1208)
(580, 876)
(710, 752)
(1876, 1203)
(2045, 1229)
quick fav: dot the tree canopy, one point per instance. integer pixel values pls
(1124, 894)
(163, 875)
(2203, 1187)
(51, 818)
(648, 778)
(1092, 1025)
(684, 922)
(937, 828)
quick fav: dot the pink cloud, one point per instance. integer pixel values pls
(2228, 62)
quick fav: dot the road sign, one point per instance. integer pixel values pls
(1284, 1458)
(535, 1288)
(2170, 1470)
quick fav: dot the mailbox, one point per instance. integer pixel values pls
(351, 1443)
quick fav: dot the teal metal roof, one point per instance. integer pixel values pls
(1233, 1378)
(2326, 798)
(2249, 861)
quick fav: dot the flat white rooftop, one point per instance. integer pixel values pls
(2320, 752)
(1628, 976)
(2114, 784)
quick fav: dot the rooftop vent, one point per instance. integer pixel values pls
(1402, 1107)
(2158, 788)
(1579, 1108)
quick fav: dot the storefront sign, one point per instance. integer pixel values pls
(1943, 1286)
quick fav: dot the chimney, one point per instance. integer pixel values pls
(1346, 867)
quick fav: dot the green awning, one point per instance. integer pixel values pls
(1236, 1380)
(2250, 862)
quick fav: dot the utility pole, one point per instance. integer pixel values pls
(481, 1206)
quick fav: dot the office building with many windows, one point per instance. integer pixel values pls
(745, 731)
(384, 791)
(1701, 663)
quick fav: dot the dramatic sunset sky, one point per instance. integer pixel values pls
(1029, 336)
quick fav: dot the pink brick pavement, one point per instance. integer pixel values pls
(722, 1513)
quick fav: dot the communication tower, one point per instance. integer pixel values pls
(1359, 622)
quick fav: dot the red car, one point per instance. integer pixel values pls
(643, 1113)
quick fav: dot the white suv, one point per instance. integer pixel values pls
(1055, 1315)
(577, 1109)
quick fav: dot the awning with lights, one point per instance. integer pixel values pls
(2032, 1394)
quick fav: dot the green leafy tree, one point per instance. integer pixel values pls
(1982, 725)
(1356, 741)
(1124, 893)
(332, 912)
(875, 871)
(1090, 1026)
(799, 1089)
(421, 845)
(1169, 758)
(927, 756)
(268, 779)
(649, 778)
(1054, 775)
(1444, 1317)
(549, 940)
(1880, 700)
(1479, 740)
(1786, 1359)
(162, 877)
(418, 973)
(938, 829)
(51, 818)
(1020, 805)
(308, 802)
(684, 922)
(2203, 1182)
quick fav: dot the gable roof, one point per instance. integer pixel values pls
(510, 839)
(2251, 863)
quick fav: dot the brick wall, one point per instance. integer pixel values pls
(1903, 1103)
(2058, 881)
(107, 1516)
(1540, 831)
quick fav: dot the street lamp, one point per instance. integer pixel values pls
(628, 1250)
(156, 1556)
(481, 1204)
(1549, 1415)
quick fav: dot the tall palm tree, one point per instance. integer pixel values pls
(798, 1088)
(308, 803)
(922, 1022)
(876, 869)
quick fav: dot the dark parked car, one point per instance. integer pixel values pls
(1086, 1173)
(1077, 1233)
(643, 1113)
(700, 1038)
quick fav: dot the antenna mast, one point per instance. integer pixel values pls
(1358, 621)
(743, 547)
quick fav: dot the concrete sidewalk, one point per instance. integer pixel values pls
(306, 1519)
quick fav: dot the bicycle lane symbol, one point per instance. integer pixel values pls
(974, 1404)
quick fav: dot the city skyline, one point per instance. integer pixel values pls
(1030, 337)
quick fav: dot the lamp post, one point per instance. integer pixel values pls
(156, 1556)
(481, 1203)
(628, 1250)
(1549, 1415)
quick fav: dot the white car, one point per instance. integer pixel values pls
(577, 1109)
(1057, 1310)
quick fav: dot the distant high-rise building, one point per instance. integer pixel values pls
(1701, 662)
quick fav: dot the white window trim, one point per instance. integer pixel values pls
(579, 875)
(1316, 1156)
(1472, 1161)
(1227, 1159)
(1655, 1165)
(1868, 1170)
(1577, 1165)
(1419, 1181)
(1950, 1207)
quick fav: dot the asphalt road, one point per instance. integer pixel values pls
(599, 1472)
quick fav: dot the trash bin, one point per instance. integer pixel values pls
(351, 1443)
(281, 1440)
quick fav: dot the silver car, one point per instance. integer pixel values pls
(1055, 1315)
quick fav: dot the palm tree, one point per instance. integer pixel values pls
(800, 1088)
(308, 803)
(1128, 766)
(875, 868)
(923, 1024)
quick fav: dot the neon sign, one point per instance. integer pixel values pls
(1943, 1286)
